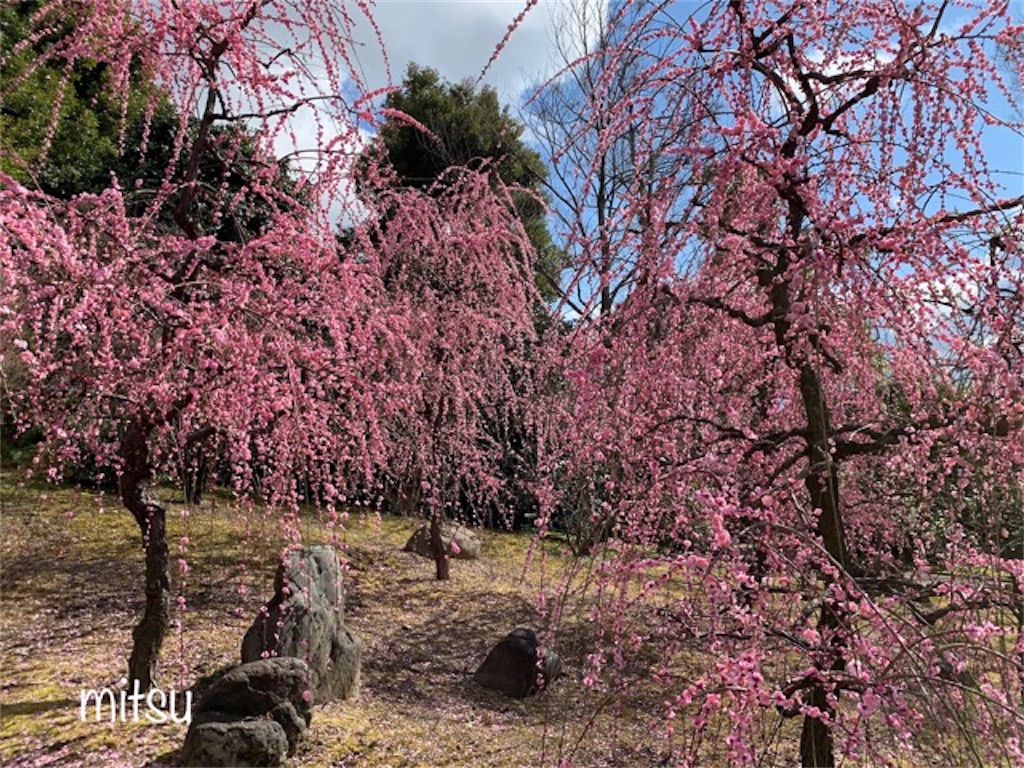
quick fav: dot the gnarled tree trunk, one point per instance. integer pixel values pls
(148, 635)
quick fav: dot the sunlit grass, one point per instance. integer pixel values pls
(71, 592)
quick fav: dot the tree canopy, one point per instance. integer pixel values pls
(786, 430)
(458, 125)
(211, 303)
(61, 126)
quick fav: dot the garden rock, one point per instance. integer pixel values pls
(254, 715)
(511, 666)
(461, 543)
(217, 741)
(305, 619)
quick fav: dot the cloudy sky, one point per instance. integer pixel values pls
(457, 37)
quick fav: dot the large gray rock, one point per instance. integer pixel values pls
(254, 715)
(216, 741)
(511, 666)
(305, 619)
(460, 542)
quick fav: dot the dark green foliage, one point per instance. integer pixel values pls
(86, 151)
(237, 190)
(469, 128)
(83, 148)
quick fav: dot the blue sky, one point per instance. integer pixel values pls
(457, 37)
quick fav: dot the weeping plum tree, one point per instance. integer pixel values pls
(466, 420)
(815, 380)
(144, 330)
(465, 329)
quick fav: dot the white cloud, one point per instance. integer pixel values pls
(458, 37)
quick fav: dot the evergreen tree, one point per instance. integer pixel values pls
(468, 128)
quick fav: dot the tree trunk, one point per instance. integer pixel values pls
(195, 472)
(815, 738)
(437, 544)
(148, 635)
(822, 483)
(1018, 597)
(407, 496)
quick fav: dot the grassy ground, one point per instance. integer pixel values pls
(71, 565)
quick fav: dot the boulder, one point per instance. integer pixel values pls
(511, 666)
(235, 742)
(305, 619)
(214, 741)
(460, 541)
(253, 715)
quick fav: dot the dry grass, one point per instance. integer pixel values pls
(71, 566)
